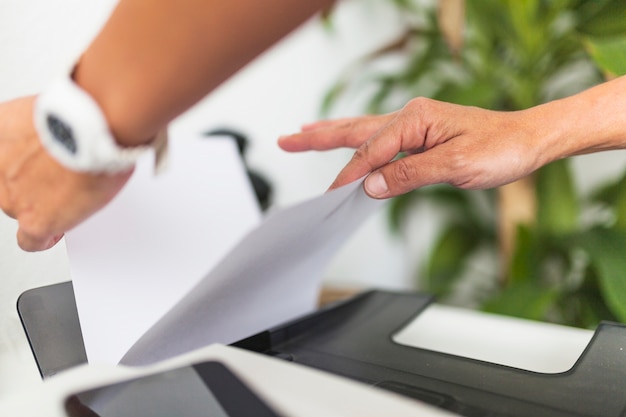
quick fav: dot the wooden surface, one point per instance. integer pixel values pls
(329, 294)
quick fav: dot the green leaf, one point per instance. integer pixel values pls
(448, 258)
(613, 194)
(603, 18)
(376, 104)
(475, 209)
(606, 249)
(585, 306)
(524, 260)
(606, 193)
(619, 205)
(557, 203)
(523, 299)
(481, 94)
(403, 4)
(609, 54)
(331, 97)
(398, 208)
(456, 198)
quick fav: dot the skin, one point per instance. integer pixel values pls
(467, 147)
(43, 196)
(150, 62)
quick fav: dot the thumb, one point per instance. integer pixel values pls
(406, 174)
(374, 153)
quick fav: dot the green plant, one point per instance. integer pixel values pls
(513, 54)
(568, 266)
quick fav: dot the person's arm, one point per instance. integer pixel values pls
(151, 61)
(468, 147)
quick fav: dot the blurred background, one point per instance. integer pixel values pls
(536, 249)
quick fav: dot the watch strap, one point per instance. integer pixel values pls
(74, 130)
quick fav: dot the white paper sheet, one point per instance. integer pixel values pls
(139, 304)
(135, 259)
(271, 277)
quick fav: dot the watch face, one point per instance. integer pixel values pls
(62, 133)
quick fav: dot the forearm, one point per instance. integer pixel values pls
(153, 60)
(592, 121)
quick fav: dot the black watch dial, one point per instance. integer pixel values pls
(62, 132)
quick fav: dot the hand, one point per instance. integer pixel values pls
(466, 147)
(46, 199)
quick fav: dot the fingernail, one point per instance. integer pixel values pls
(375, 185)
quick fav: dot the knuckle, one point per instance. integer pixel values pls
(362, 154)
(413, 124)
(458, 160)
(404, 173)
(465, 172)
(419, 104)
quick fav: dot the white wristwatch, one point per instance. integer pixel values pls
(73, 129)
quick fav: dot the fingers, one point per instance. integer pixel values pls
(404, 133)
(407, 174)
(44, 197)
(332, 134)
(468, 161)
(371, 155)
(466, 147)
(36, 232)
(33, 243)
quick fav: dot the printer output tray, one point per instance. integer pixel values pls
(354, 339)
